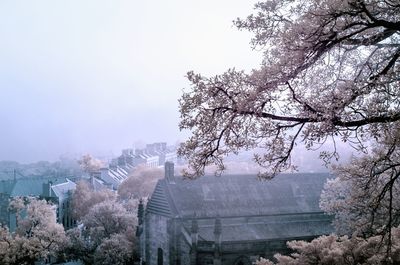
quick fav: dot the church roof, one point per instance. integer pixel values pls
(238, 195)
(267, 227)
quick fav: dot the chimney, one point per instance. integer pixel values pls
(103, 173)
(169, 171)
(46, 189)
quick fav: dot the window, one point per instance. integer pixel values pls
(160, 256)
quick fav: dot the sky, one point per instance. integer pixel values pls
(98, 76)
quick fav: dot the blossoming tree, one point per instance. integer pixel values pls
(106, 230)
(38, 236)
(330, 72)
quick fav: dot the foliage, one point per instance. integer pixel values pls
(328, 250)
(6, 246)
(89, 163)
(365, 196)
(117, 250)
(107, 218)
(140, 183)
(84, 198)
(329, 71)
(77, 247)
(103, 220)
(37, 236)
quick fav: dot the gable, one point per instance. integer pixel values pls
(159, 203)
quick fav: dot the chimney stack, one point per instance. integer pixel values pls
(169, 171)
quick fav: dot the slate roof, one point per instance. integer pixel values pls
(266, 228)
(30, 186)
(238, 195)
(160, 203)
(61, 190)
(98, 184)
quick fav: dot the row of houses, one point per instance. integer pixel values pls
(58, 189)
(111, 176)
(152, 156)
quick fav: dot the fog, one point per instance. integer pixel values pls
(97, 76)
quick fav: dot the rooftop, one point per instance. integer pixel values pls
(29, 186)
(286, 207)
(62, 189)
(238, 195)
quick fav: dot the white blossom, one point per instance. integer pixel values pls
(38, 235)
(330, 70)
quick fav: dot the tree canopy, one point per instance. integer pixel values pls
(330, 70)
(327, 250)
(89, 163)
(365, 195)
(106, 230)
(140, 183)
(37, 237)
(84, 198)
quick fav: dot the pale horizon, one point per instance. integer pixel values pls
(97, 76)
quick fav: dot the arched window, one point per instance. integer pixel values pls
(160, 258)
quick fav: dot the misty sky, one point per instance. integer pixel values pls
(97, 76)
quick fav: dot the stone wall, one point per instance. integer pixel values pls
(184, 251)
(157, 238)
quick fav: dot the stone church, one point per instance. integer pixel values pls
(229, 220)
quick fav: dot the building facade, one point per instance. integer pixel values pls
(153, 155)
(57, 190)
(229, 220)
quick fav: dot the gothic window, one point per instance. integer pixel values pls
(160, 256)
